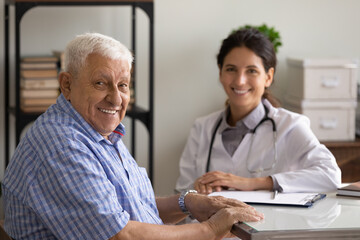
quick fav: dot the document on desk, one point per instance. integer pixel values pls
(267, 198)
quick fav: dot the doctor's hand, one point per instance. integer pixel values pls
(203, 207)
(205, 188)
(217, 181)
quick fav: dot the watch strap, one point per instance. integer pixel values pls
(181, 201)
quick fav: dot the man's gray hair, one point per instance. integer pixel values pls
(81, 46)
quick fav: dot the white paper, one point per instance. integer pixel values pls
(266, 197)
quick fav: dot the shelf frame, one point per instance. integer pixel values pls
(136, 112)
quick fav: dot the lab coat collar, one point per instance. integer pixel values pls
(250, 121)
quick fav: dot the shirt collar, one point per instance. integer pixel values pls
(250, 121)
(68, 108)
(255, 116)
(117, 134)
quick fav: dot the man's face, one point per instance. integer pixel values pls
(101, 92)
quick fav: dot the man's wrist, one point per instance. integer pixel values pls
(182, 204)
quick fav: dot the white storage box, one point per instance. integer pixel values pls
(330, 121)
(322, 79)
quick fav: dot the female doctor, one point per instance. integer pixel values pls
(252, 144)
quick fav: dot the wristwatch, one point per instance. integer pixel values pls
(181, 202)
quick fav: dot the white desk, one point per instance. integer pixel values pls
(332, 218)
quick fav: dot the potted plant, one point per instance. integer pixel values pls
(270, 32)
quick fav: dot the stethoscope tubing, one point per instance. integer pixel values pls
(253, 131)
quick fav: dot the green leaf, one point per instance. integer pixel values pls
(270, 32)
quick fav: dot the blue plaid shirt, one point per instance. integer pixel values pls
(65, 181)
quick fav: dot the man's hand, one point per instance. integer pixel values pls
(222, 222)
(203, 207)
(216, 214)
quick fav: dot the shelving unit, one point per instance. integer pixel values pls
(22, 119)
(347, 155)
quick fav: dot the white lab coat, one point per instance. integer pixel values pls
(303, 164)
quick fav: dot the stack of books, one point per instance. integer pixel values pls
(39, 86)
(61, 56)
(132, 89)
(352, 190)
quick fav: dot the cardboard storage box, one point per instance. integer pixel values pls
(330, 121)
(322, 79)
(325, 90)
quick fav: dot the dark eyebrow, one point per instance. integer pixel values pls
(229, 65)
(233, 65)
(252, 66)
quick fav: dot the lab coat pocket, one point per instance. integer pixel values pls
(261, 157)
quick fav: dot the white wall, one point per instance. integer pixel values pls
(188, 34)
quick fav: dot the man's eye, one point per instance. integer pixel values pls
(252, 71)
(230, 69)
(99, 83)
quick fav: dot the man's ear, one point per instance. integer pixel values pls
(65, 81)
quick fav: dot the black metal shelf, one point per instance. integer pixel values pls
(22, 118)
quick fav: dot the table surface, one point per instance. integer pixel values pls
(332, 214)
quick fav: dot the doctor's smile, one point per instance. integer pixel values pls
(240, 92)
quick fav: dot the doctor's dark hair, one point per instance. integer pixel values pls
(256, 42)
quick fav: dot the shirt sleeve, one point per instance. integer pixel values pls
(73, 197)
(276, 185)
(187, 165)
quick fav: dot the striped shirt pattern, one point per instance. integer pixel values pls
(65, 181)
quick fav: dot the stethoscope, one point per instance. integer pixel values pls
(253, 131)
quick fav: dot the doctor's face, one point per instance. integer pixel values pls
(100, 93)
(244, 79)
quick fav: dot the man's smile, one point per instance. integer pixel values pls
(108, 111)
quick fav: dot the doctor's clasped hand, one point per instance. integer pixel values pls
(218, 181)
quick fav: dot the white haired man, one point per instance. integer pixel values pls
(71, 176)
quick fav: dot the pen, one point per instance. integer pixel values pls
(275, 193)
(317, 197)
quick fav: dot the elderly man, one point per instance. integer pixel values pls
(71, 177)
